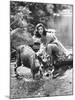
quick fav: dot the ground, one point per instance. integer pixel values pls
(62, 85)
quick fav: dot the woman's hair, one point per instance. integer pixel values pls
(36, 30)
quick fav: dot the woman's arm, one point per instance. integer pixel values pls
(50, 37)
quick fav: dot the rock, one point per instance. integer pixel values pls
(24, 71)
(20, 37)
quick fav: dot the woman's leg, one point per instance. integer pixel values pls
(62, 49)
(53, 51)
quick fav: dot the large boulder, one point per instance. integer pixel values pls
(19, 37)
(24, 71)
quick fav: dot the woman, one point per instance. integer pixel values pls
(48, 42)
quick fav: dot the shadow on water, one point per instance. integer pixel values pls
(61, 71)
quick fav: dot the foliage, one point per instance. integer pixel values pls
(32, 13)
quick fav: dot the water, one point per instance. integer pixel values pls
(63, 26)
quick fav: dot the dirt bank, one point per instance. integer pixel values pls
(62, 85)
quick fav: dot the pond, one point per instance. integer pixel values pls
(63, 25)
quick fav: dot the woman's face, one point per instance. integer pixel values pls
(40, 30)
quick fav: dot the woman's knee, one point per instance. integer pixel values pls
(52, 46)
